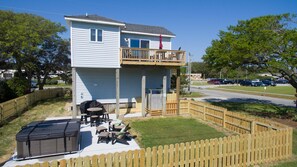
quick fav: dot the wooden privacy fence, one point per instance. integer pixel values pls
(235, 122)
(259, 141)
(18, 105)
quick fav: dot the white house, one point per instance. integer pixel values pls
(116, 62)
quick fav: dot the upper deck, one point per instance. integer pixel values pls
(159, 57)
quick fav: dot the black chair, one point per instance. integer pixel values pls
(92, 103)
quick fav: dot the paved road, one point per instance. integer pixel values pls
(216, 95)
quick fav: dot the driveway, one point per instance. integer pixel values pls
(217, 95)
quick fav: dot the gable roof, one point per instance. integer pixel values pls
(125, 27)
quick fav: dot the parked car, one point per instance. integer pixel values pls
(282, 81)
(268, 83)
(33, 84)
(215, 81)
(246, 83)
(227, 81)
(258, 83)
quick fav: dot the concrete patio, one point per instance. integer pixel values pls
(88, 145)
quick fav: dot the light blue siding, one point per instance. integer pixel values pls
(100, 83)
(86, 53)
(154, 40)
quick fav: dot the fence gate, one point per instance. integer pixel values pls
(154, 101)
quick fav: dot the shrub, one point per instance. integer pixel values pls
(6, 93)
(19, 85)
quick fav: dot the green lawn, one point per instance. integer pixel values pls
(165, 131)
(192, 94)
(43, 109)
(260, 109)
(284, 90)
(199, 83)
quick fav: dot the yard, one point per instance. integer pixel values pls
(171, 130)
(286, 92)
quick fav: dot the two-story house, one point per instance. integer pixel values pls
(116, 62)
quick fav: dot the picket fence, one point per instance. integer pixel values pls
(258, 141)
(18, 105)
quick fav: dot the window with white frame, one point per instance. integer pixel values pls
(96, 35)
(139, 43)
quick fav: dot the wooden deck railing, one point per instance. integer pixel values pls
(140, 56)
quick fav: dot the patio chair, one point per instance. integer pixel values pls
(120, 136)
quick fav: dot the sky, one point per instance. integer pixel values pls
(196, 23)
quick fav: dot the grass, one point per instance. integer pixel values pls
(286, 92)
(192, 94)
(61, 85)
(259, 109)
(165, 131)
(200, 83)
(43, 109)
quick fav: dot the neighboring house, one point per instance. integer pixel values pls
(116, 62)
(7, 74)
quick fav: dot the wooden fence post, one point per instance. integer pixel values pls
(224, 118)
(204, 110)
(253, 124)
(189, 104)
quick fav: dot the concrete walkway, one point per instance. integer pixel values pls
(88, 145)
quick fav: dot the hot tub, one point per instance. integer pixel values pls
(44, 138)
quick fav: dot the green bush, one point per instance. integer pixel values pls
(19, 85)
(52, 81)
(6, 93)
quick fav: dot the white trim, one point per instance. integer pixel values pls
(149, 34)
(96, 35)
(95, 21)
(139, 41)
(71, 45)
(119, 46)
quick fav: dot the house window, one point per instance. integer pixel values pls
(145, 44)
(96, 35)
(137, 43)
(134, 43)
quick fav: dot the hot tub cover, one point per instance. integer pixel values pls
(42, 130)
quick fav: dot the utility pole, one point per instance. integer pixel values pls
(189, 72)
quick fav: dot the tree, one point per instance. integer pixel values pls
(53, 56)
(21, 36)
(266, 43)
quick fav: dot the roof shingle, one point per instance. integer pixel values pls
(147, 29)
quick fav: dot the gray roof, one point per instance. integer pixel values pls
(128, 26)
(95, 18)
(147, 29)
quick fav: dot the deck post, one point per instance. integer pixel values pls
(117, 92)
(164, 95)
(74, 108)
(143, 95)
(177, 90)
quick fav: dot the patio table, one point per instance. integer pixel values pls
(95, 114)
